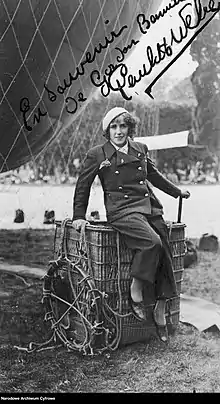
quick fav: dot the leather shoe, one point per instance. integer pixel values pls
(138, 309)
(162, 331)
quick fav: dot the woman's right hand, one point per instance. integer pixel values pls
(79, 223)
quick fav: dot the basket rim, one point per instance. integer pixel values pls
(104, 225)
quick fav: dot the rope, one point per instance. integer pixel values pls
(102, 303)
(98, 320)
(88, 303)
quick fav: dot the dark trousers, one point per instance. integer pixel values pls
(152, 261)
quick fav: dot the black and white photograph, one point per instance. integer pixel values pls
(109, 197)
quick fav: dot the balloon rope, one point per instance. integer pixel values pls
(98, 125)
(90, 34)
(11, 21)
(104, 58)
(81, 117)
(88, 302)
(57, 75)
(23, 59)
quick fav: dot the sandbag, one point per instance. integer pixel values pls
(49, 217)
(208, 242)
(19, 216)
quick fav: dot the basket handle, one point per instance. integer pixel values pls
(180, 209)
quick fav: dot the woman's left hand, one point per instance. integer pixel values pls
(185, 194)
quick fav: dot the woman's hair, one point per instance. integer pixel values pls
(130, 121)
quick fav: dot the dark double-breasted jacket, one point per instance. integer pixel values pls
(125, 180)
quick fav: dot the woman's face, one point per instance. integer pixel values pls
(118, 131)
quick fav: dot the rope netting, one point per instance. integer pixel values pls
(86, 315)
(80, 314)
(26, 146)
(60, 158)
(56, 49)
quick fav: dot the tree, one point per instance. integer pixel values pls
(86, 130)
(205, 49)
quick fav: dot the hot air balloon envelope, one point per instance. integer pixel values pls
(48, 50)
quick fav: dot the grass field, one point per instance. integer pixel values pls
(190, 362)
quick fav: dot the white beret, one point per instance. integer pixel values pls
(112, 114)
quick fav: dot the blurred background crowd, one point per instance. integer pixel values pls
(194, 173)
(179, 172)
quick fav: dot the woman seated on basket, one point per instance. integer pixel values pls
(125, 171)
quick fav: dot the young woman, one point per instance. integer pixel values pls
(125, 171)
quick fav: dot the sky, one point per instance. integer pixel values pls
(182, 68)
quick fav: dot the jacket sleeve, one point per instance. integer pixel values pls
(161, 182)
(88, 172)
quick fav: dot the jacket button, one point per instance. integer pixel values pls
(116, 172)
(141, 182)
(120, 188)
(145, 194)
(126, 196)
(140, 168)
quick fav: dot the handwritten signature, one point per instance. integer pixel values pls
(108, 82)
(116, 76)
(25, 106)
(201, 13)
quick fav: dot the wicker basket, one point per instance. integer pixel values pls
(103, 252)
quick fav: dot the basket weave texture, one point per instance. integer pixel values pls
(110, 272)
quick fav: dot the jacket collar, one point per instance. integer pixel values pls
(109, 150)
(135, 152)
(133, 148)
(136, 149)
